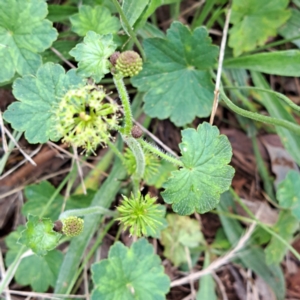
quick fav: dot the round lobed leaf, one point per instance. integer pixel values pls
(24, 32)
(176, 75)
(205, 175)
(134, 273)
(93, 55)
(39, 235)
(97, 19)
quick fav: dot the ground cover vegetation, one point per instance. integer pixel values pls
(150, 149)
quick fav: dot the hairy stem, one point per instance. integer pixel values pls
(161, 154)
(86, 211)
(139, 155)
(118, 80)
(255, 116)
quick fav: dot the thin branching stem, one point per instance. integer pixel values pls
(123, 94)
(219, 72)
(258, 117)
(279, 95)
(175, 161)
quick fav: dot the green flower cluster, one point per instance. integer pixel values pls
(72, 226)
(84, 118)
(139, 213)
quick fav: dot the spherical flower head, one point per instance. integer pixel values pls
(129, 63)
(139, 213)
(72, 226)
(84, 118)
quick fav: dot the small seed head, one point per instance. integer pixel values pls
(129, 63)
(136, 132)
(72, 226)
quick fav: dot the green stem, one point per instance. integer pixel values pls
(90, 253)
(262, 225)
(130, 30)
(279, 95)
(118, 80)
(255, 116)
(86, 211)
(11, 270)
(139, 155)
(161, 154)
(238, 94)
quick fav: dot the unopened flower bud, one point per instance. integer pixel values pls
(72, 226)
(129, 63)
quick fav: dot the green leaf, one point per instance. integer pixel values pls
(38, 195)
(97, 19)
(38, 95)
(291, 28)
(134, 273)
(39, 235)
(181, 232)
(207, 284)
(38, 272)
(176, 75)
(93, 55)
(133, 10)
(254, 21)
(252, 257)
(205, 175)
(285, 227)
(59, 13)
(24, 32)
(288, 193)
(284, 63)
